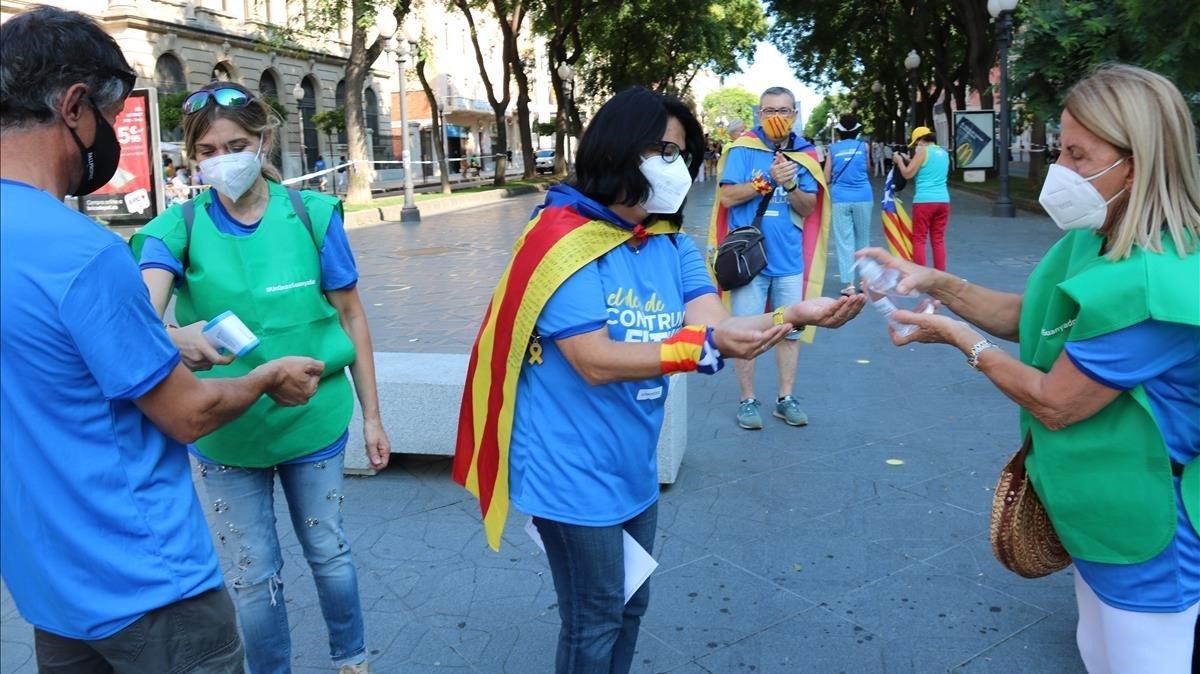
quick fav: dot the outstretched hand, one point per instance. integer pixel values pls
(913, 277)
(747, 344)
(826, 312)
(933, 329)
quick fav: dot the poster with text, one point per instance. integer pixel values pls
(974, 131)
(134, 194)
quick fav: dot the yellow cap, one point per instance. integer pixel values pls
(919, 133)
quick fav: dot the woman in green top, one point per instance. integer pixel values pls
(279, 260)
(928, 169)
(1108, 377)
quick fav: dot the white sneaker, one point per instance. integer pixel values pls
(361, 668)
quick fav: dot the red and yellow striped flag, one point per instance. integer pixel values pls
(558, 242)
(897, 226)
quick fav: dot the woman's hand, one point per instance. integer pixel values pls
(197, 354)
(379, 449)
(825, 312)
(747, 344)
(934, 329)
(913, 277)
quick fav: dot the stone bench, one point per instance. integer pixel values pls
(420, 395)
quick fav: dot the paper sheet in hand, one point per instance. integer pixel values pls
(638, 563)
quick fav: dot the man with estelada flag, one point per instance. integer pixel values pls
(897, 226)
(772, 162)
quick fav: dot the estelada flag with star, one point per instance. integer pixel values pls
(815, 227)
(565, 233)
(897, 226)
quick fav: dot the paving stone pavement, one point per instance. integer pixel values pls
(781, 550)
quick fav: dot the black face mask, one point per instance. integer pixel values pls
(101, 159)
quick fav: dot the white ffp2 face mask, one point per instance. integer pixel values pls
(669, 184)
(1072, 201)
(233, 174)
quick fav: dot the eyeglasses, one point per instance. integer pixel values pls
(780, 112)
(226, 97)
(670, 152)
(127, 77)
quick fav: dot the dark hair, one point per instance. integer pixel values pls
(850, 122)
(47, 51)
(610, 152)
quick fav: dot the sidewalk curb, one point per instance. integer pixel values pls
(1021, 203)
(381, 214)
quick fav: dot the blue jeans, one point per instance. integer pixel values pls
(244, 501)
(851, 232)
(599, 630)
(783, 291)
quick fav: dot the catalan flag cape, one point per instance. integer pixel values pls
(566, 232)
(815, 227)
(897, 226)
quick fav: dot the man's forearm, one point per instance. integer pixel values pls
(802, 202)
(737, 194)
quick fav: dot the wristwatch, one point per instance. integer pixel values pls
(778, 319)
(791, 189)
(979, 348)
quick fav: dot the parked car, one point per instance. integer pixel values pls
(544, 161)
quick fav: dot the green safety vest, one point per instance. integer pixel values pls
(272, 280)
(1106, 481)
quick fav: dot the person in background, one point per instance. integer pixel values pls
(877, 158)
(1108, 377)
(318, 167)
(341, 175)
(103, 543)
(279, 260)
(765, 166)
(930, 166)
(598, 347)
(850, 188)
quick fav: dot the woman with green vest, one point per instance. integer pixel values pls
(279, 260)
(928, 169)
(1108, 377)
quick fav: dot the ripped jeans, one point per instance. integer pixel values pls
(243, 500)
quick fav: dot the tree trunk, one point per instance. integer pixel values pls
(560, 123)
(359, 64)
(499, 104)
(511, 27)
(435, 112)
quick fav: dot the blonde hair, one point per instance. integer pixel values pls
(1143, 115)
(256, 118)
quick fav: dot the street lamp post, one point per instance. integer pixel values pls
(400, 47)
(912, 62)
(298, 94)
(567, 75)
(876, 88)
(1002, 11)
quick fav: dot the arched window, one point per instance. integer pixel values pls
(171, 83)
(223, 72)
(168, 75)
(371, 122)
(308, 108)
(268, 88)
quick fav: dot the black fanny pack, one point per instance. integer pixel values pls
(743, 253)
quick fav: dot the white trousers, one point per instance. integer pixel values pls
(1115, 641)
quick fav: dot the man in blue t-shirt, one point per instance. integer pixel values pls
(103, 544)
(749, 177)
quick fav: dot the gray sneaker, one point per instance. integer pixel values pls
(748, 416)
(788, 409)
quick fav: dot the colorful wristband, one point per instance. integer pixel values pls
(683, 351)
(762, 185)
(711, 360)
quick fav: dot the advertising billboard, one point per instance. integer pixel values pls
(135, 193)
(974, 139)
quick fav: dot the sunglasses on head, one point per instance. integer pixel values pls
(127, 77)
(226, 97)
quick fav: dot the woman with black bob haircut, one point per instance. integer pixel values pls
(603, 299)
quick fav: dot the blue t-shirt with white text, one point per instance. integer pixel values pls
(99, 520)
(784, 241)
(850, 181)
(584, 454)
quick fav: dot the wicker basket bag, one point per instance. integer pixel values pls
(1023, 538)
